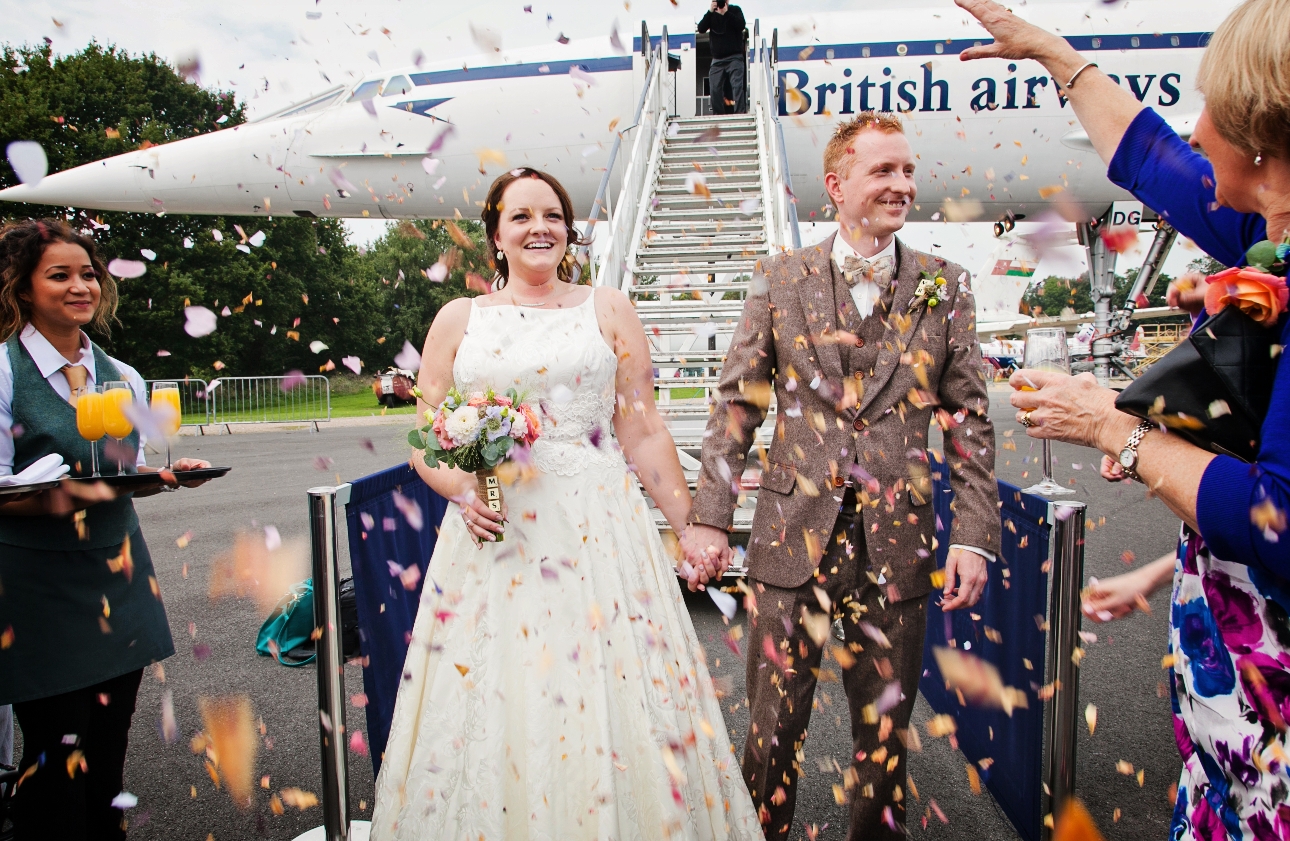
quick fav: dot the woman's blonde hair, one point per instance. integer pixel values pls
(1245, 76)
(22, 245)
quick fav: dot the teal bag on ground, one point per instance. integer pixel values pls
(290, 626)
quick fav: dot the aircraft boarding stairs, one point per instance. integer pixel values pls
(691, 272)
(702, 200)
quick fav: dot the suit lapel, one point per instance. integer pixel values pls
(816, 290)
(909, 268)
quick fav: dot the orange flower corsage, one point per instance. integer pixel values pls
(1259, 295)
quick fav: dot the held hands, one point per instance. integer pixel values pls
(706, 552)
(965, 578)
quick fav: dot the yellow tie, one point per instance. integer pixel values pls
(77, 376)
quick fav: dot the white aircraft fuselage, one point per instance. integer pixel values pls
(990, 131)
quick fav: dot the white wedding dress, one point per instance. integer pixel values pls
(554, 687)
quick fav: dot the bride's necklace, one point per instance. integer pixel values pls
(555, 296)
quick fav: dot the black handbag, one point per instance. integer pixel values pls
(1213, 389)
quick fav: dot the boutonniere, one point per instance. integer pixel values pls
(930, 290)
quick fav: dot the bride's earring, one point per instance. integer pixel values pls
(500, 255)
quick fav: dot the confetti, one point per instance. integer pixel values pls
(199, 321)
(353, 363)
(1120, 239)
(408, 358)
(127, 268)
(317, 347)
(169, 726)
(978, 681)
(1090, 716)
(725, 602)
(231, 743)
(1075, 824)
(125, 800)
(252, 570)
(27, 157)
(292, 379)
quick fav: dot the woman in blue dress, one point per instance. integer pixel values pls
(81, 614)
(1230, 631)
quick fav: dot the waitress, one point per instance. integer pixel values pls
(80, 611)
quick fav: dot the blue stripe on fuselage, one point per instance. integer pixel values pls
(515, 71)
(883, 49)
(819, 52)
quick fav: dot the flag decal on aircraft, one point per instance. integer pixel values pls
(421, 106)
(1013, 268)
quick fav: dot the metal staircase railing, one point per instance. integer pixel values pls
(628, 215)
(700, 201)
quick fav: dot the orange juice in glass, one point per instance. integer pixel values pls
(89, 420)
(166, 411)
(116, 396)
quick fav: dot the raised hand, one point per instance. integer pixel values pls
(1014, 38)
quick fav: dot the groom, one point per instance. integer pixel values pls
(865, 342)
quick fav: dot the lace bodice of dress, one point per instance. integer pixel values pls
(557, 360)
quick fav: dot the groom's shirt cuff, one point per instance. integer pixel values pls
(989, 556)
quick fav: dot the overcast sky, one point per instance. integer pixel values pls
(275, 52)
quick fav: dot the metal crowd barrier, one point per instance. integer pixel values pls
(1061, 725)
(193, 405)
(241, 400)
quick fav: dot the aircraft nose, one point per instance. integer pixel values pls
(107, 185)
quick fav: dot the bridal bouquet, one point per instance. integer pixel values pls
(475, 432)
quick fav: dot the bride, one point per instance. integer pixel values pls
(554, 687)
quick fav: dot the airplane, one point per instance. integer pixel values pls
(994, 138)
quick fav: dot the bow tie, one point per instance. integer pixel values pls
(880, 271)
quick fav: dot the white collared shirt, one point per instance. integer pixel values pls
(50, 364)
(865, 292)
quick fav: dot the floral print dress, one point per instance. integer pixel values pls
(1230, 639)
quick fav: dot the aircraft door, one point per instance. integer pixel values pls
(702, 63)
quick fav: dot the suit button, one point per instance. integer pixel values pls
(859, 425)
(838, 481)
(859, 342)
(859, 375)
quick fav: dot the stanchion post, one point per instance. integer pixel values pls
(1064, 615)
(330, 660)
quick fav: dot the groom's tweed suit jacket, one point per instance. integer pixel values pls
(928, 367)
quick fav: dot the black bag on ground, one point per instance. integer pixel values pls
(1213, 389)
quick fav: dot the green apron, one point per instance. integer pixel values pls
(75, 609)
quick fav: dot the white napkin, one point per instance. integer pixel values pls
(45, 469)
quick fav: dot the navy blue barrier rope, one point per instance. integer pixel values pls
(380, 535)
(1010, 634)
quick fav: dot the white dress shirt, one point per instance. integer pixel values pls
(866, 293)
(50, 363)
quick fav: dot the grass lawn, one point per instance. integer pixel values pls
(683, 393)
(358, 404)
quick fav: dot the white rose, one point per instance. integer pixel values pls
(463, 425)
(519, 426)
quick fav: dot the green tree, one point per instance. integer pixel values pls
(398, 267)
(1055, 294)
(103, 101)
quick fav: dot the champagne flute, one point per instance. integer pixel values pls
(116, 423)
(166, 410)
(89, 421)
(1046, 350)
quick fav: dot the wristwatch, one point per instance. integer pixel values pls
(1128, 458)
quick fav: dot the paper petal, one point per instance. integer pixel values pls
(199, 321)
(725, 602)
(127, 268)
(27, 157)
(408, 358)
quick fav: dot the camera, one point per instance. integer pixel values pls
(721, 4)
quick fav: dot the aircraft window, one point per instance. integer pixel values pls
(398, 86)
(367, 90)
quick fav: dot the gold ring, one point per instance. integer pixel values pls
(1025, 419)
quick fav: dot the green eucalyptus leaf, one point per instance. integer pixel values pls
(417, 441)
(1262, 254)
